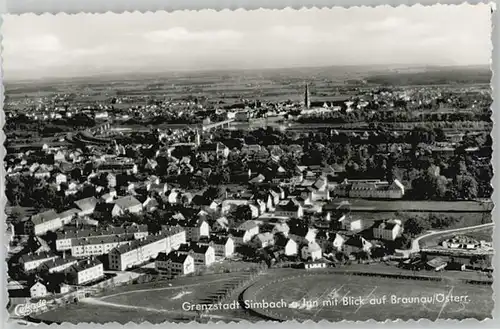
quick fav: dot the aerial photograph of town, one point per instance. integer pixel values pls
(322, 164)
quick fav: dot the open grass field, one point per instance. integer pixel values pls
(365, 205)
(154, 302)
(312, 295)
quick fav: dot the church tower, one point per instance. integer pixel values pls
(307, 97)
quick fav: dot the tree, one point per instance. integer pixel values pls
(213, 192)
(416, 225)
(241, 213)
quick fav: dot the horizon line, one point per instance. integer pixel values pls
(201, 70)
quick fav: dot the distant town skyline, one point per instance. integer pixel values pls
(85, 44)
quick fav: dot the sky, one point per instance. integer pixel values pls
(92, 44)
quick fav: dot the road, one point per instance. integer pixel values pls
(415, 245)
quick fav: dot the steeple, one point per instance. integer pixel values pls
(307, 97)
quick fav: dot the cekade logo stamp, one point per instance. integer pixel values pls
(23, 310)
(251, 165)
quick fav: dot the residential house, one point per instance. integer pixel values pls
(86, 206)
(65, 240)
(348, 223)
(223, 246)
(110, 196)
(289, 208)
(38, 290)
(137, 252)
(30, 262)
(250, 228)
(61, 178)
(302, 234)
(174, 263)
(68, 215)
(126, 204)
(387, 230)
(95, 246)
(176, 236)
(85, 272)
(203, 255)
(282, 228)
(196, 228)
(311, 251)
(43, 222)
(217, 150)
(288, 246)
(370, 189)
(57, 265)
(264, 240)
(356, 244)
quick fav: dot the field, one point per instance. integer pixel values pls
(364, 205)
(155, 302)
(312, 296)
(231, 86)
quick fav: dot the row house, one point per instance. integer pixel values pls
(118, 167)
(95, 246)
(43, 222)
(137, 252)
(57, 265)
(30, 262)
(85, 272)
(66, 239)
(176, 236)
(68, 215)
(370, 189)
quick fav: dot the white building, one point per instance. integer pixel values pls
(126, 204)
(38, 290)
(203, 255)
(57, 265)
(31, 262)
(84, 272)
(196, 229)
(175, 263)
(223, 247)
(387, 230)
(95, 246)
(43, 222)
(137, 252)
(288, 246)
(311, 251)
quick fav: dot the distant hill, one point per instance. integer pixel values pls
(433, 76)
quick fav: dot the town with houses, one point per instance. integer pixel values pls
(103, 193)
